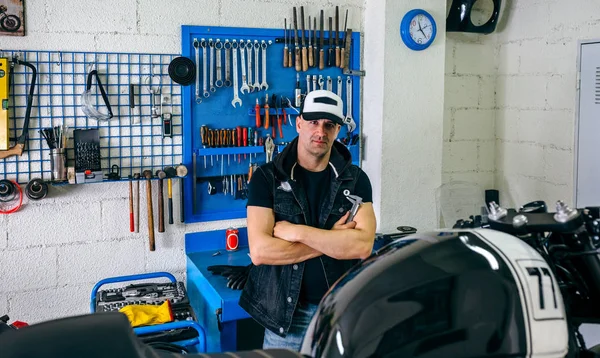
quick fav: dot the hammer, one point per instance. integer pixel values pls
(148, 175)
(161, 204)
(171, 173)
(136, 176)
(181, 173)
(356, 203)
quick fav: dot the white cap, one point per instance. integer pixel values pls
(322, 104)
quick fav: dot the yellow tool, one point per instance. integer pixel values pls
(19, 146)
(4, 68)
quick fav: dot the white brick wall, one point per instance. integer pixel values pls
(3, 304)
(536, 97)
(53, 251)
(462, 91)
(95, 261)
(469, 116)
(3, 234)
(49, 303)
(27, 269)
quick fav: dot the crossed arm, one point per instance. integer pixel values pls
(284, 243)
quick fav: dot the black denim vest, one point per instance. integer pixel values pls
(271, 294)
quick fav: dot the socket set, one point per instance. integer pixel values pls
(87, 156)
(147, 294)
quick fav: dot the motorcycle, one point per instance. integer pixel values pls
(569, 241)
(9, 23)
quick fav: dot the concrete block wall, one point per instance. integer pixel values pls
(536, 97)
(53, 251)
(469, 109)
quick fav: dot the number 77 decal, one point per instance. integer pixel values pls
(544, 297)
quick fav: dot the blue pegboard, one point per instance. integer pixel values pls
(131, 139)
(217, 112)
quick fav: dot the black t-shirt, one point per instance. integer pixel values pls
(316, 187)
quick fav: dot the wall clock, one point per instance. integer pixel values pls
(418, 29)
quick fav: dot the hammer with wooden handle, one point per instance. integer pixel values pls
(148, 175)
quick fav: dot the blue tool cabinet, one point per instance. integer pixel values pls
(217, 112)
(216, 306)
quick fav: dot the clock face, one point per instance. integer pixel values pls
(421, 29)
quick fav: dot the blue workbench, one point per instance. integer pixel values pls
(208, 293)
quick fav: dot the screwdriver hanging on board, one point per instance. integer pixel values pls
(211, 143)
(315, 51)
(343, 50)
(289, 54)
(278, 105)
(330, 50)
(204, 139)
(310, 48)
(321, 44)
(252, 135)
(257, 115)
(239, 139)
(337, 34)
(245, 139)
(233, 135)
(266, 111)
(223, 142)
(285, 44)
(296, 47)
(304, 54)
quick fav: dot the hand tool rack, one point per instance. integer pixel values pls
(132, 139)
(217, 112)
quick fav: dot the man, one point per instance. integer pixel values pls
(297, 209)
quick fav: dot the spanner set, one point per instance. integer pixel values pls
(216, 59)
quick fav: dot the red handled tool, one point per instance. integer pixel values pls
(245, 136)
(266, 111)
(239, 141)
(257, 110)
(131, 222)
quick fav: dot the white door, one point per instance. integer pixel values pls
(587, 160)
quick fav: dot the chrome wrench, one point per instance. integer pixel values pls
(307, 84)
(256, 84)
(339, 86)
(219, 48)
(314, 81)
(349, 120)
(329, 84)
(249, 54)
(205, 78)
(244, 66)
(321, 81)
(211, 46)
(197, 51)
(236, 98)
(264, 84)
(227, 47)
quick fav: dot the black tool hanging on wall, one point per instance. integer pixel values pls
(19, 146)
(459, 18)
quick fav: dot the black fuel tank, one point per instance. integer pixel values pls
(444, 294)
